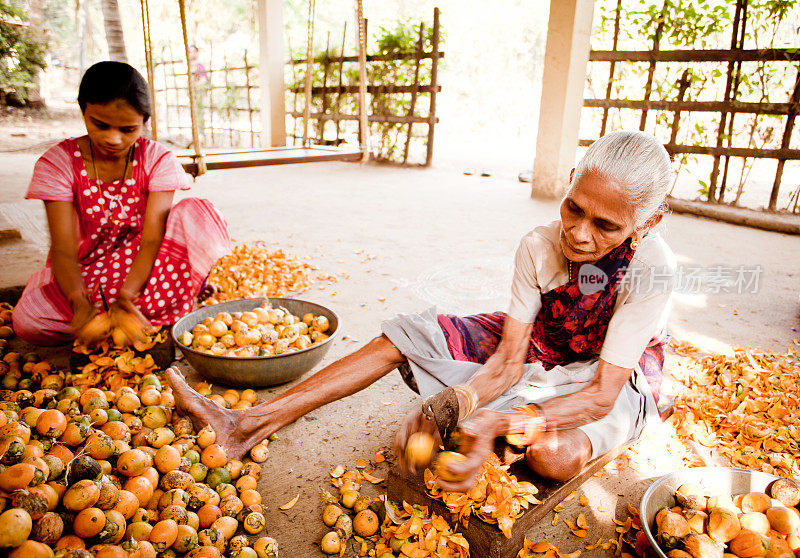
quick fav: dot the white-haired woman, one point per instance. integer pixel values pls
(573, 368)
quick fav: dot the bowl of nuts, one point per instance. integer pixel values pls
(256, 342)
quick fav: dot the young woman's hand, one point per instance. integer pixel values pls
(125, 315)
(82, 313)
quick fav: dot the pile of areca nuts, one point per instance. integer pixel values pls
(115, 474)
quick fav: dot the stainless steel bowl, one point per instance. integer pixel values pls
(255, 371)
(719, 480)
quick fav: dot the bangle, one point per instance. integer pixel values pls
(470, 395)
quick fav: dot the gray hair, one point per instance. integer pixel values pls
(638, 162)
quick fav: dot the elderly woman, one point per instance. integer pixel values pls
(573, 368)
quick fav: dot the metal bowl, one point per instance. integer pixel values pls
(258, 371)
(721, 480)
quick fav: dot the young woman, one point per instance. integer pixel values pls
(117, 240)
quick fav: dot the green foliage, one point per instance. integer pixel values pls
(22, 53)
(388, 138)
(702, 25)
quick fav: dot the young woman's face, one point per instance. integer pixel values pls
(595, 219)
(112, 127)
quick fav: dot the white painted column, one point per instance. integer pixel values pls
(565, 60)
(270, 71)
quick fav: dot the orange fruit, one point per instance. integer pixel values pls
(127, 504)
(167, 459)
(246, 482)
(31, 549)
(92, 393)
(48, 493)
(17, 476)
(51, 423)
(146, 550)
(81, 495)
(150, 396)
(250, 497)
(164, 534)
(100, 446)
(89, 522)
(70, 542)
(111, 551)
(207, 515)
(117, 430)
(133, 463)
(167, 399)
(141, 488)
(73, 435)
(152, 475)
(214, 456)
(206, 437)
(62, 452)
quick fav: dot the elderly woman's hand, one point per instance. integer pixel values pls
(414, 422)
(477, 443)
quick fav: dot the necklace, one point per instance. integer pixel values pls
(117, 200)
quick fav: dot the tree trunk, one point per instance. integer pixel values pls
(36, 96)
(114, 36)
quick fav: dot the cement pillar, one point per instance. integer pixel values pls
(270, 72)
(565, 60)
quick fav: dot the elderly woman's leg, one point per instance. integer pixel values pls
(559, 455)
(239, 430)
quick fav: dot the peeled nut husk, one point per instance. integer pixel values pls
(672, 528)
(723, 525)
(749, 544)
(259, 453)
(697, 520)
(266, 547)
(690, 496)
(702, 546)
(344, 526)
(786, 491)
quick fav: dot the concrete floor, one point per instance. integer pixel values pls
(431, 237)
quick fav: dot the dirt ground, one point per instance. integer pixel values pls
(401, 240)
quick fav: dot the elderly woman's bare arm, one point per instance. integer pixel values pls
(505, 367)
(591, 403)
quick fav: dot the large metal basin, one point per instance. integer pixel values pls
(255, 371)
(722, 480)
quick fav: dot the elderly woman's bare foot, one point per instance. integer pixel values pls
(203, 411)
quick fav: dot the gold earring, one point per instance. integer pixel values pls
(634, 244)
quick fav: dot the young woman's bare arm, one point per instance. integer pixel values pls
(64, 243)
(155, 225)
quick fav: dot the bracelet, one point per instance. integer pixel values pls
(470, 395)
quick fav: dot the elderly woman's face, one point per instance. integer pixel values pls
(595, 219)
